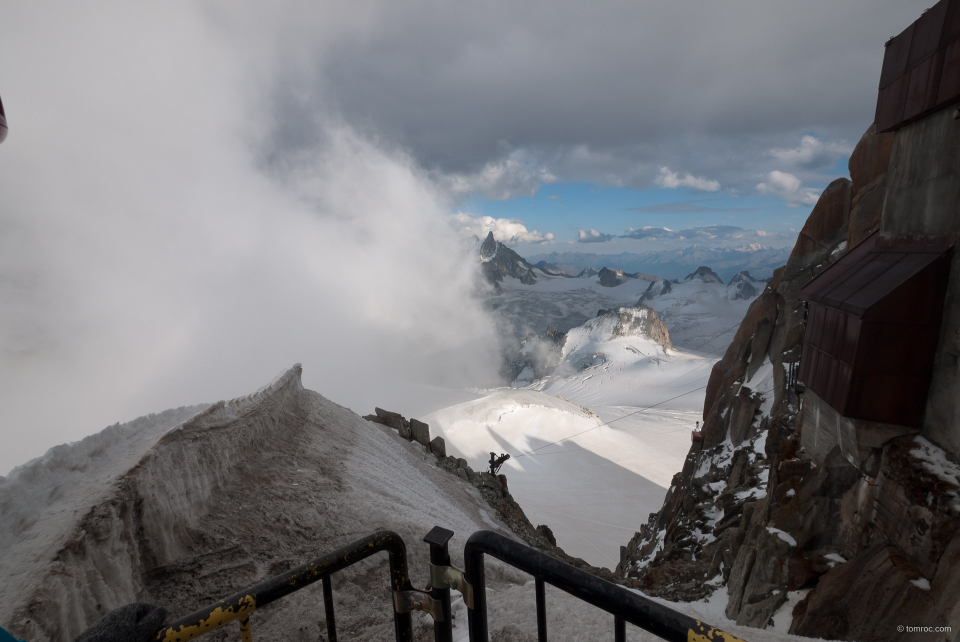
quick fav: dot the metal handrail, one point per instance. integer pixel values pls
(624, 605)
(239, 606)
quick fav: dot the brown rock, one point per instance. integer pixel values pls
(438, 447)
(865, 211)
(945, 587)
(420, 432)
(867, 598)
(828, 218)
(547, 534)
(396, 421)
(911, 508)
(870, 158)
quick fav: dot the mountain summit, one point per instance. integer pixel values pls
(705, 274)
(499, 261)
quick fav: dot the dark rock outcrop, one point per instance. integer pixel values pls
(610, 278)
(498, 261)
(744, 286)
(654, 290)
(705, 274)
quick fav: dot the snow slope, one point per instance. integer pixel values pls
(186, 508)
(598, 484)
(191, 505)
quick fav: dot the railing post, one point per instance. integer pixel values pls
(438, 538)
(473, 569)
(328, 609)
(541, 611)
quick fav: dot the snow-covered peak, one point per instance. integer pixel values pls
(744, 286)
(704, 274)
(620, 334)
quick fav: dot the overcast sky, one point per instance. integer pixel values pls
(194, 196)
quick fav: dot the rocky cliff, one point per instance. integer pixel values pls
(851, 551)
(498, 261)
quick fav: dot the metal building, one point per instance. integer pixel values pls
(872, 329)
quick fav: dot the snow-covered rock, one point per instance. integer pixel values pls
(744, 286)
(704, 274)
(190, 505)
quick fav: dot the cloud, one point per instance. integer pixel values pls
(672, 180)
(143, 269)
(501, 179)
(686, 207)
(509, 231)
(788, 188)
(713, 235)
(592, 236)
(812, 153)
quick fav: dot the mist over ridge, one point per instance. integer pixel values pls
(156, 253)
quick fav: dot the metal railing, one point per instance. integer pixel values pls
(624, 605)
(239, 606)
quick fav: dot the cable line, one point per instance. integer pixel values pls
(607, 423)
(559, 452)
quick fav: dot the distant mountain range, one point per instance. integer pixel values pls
(760, 260)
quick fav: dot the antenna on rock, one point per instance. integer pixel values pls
(496, 462)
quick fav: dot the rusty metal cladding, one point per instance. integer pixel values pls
(890, 102)
(872, 329)
(240, 605)
(951, 24)
(950, 72)
(921, 68)
(922, 86)
(895, 57)
(926, 34)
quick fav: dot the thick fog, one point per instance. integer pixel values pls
(156, 250)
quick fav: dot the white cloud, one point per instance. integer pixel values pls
(515, 175)
(789, 188)
(509, 231)
(592, 236)
(140, 272)
(710, 235)
(812, 152)
(673, 180)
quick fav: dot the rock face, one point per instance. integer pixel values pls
(610, 278)
(868, 173)
(744, 286)
(862, 540)
(641, 321)
(705, 274)
(829, 216)
(498, 261)
(654, 290)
